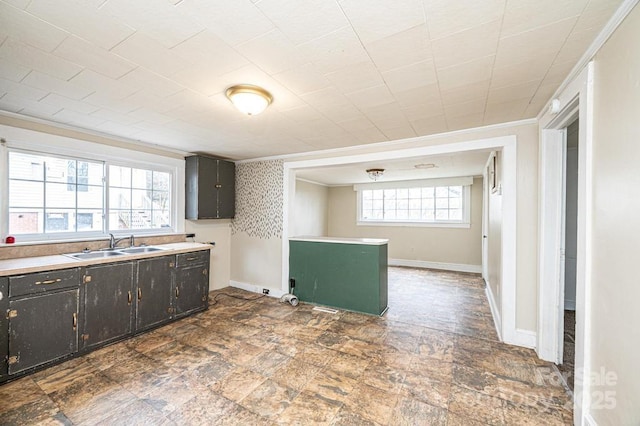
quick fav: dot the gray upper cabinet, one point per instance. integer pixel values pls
(210, 188)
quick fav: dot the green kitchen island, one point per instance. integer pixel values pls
(345, 273)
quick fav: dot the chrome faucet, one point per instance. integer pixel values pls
(113, 242)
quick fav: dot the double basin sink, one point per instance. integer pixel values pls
(108, 253)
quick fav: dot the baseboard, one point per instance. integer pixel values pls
(497, 321)
(569, 305)
(525, 338)
(457, 267)
(277, 293)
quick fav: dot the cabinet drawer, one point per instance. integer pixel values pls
(193, 257)
(43, 281)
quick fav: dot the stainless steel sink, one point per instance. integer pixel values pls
(137, 250)
(95, 255)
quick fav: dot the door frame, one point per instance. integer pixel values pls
(575, 100)
(508, 147)
(485, 221)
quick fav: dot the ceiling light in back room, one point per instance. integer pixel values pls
(425, 166)
(375, 174)
(249, 99)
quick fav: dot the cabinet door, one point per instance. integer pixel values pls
(153, 291)
(191, 291)
(42, 328)
(4, 325)
(226, 189)
(108, 304)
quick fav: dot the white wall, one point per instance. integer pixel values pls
(615, 227)
(459, 246)
(218, 231)
(310, 209)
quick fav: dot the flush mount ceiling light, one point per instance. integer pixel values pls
(249, 99)
(425, 166)
(375, 174)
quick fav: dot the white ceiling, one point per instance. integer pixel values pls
(342, 72)
(469, 163)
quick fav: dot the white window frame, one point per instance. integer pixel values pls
(465, 222)
(59, 146)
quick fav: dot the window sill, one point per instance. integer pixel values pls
(416, 224)
(86, 239)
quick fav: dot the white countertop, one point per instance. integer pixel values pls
(27, 265)
(338, 240)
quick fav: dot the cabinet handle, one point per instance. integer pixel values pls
(191, 258)
(139, 294)
(177, 292)
(49, 281)
(75, 320)
(129, 297)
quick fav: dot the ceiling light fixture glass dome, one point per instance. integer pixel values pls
(249, 99)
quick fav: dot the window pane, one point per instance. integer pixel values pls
(140, 219)
(403, 193)
(367, 195)
(89, 220)
(442, 214)
(415, 204)
(403, 204)
(367, 205)
(90, 173)
(442, 191)
(119, 219)
(455, 191)
(429, 203)
(141, 178)
(427, 192)
(390, 214)
(57, 169)
(120, 176)
(376, 214)
(25, 166)
(161, 219)
(139, 199)
(25, 221)
(59, 196)
(161, 181)
(389, 205)
(377, 205)
(455, 214)
(26, 194)
(119, 198)
(442, 203)
(377, 194)
(89, 196)
(59, 220)
(428, 215)
(414, 193)
(455, 203)
(414, 214)
(402, 214)
(389, 194)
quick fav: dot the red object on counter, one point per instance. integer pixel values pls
(10, 240)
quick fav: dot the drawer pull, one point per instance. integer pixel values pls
(49, 281)
(129, 297)
(139, 294)
(191, 258)
(177, 292)
(75, 320)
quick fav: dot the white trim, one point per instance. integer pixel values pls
(414, 224)
(616, 19)
(418, 183)
(525, 338)
(457, 267)
(508, 145)
(89, 132)
(273, 292)
(497, 321)
(579, 90)
(391, 144)
(313, 182)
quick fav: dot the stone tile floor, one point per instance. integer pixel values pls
(433, 359)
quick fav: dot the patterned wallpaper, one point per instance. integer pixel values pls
(259, 199)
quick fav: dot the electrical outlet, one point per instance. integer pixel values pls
(265, 291)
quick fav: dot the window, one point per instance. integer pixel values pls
(53, 196)
(414, 203)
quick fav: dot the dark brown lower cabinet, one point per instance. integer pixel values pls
(4, 326)
(49, 316)
(108, 302)
(191, 288)
(153, 291)
(42, 328)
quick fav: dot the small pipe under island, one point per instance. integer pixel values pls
(344, 273)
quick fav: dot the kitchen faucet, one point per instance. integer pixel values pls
(113, 242)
